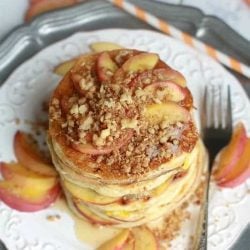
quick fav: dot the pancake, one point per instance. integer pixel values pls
(122, 137)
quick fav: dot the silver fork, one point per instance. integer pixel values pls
(216, 130)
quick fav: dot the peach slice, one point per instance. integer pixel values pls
(27, 199)
(169, 112)
(106, 67)
(141, 62)
(167, 90)
(64, 67)
(158, 75)
(240, 170)
(116, 243)
(144, 239)
(104, 46)
(117, 144)
(90, 216)
(19, 175)
(42, 6)
(29, 156)
(232, 153)
(130, 244)
(88, 195)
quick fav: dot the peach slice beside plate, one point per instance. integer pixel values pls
(27, 199)
(141, 62)
(63, 68)
(104, 46)
(232, 153)
(169, 111)
(144, 239)
(116, 243)
(240, 170)
(106, 67)
(88, 195)
(29, 156)
(19, 175)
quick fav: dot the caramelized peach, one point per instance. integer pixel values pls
(106, 67)
(116, 243)
(90, 216)
(64, 67)
(141, 62)
(27, 198)
(104, 46)
(240, 171)
(88, 195)
(232, 153)
(169, 112)
(144, 239)
(29, 156)
(19, 175)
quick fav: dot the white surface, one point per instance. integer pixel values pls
(11, 14)
(21, 97)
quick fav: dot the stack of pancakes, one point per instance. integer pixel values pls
(122, 137)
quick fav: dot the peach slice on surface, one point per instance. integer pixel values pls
(116, 243)
(64, 67)
(141, 62)
(104, 46)
(92, 217)
(88, 195)
(144, 239)
(117, 144)
(19, 175)
(27, 199)
(167, 90)
(42, 6)
(240, 171)
(28, 155)
(232, 153)
(106, 67)
(169, 112)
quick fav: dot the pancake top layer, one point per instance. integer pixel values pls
(121, 113)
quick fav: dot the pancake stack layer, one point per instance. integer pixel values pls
(122, 137)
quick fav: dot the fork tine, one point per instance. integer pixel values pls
(213, 108)
(229, 109)
(204, 110)
(220, 113)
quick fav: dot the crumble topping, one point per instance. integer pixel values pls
(110, 116)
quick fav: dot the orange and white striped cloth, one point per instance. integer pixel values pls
(165, 27)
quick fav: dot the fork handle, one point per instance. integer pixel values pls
(204, 227)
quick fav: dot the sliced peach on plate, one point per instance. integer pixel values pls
(116, 243)
(104, 46)
(42, 6)
(28, 155)
(141, 62)
(64, 67)
(106, 67)
(91, 216)
(144, 239)
(26, 198)
(88, 195)
(21, 176)
(169, 112)
(117, 144)
(232, 153)
(167, 90)
(240, 170)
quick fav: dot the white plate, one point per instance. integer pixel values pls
(21, 97)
